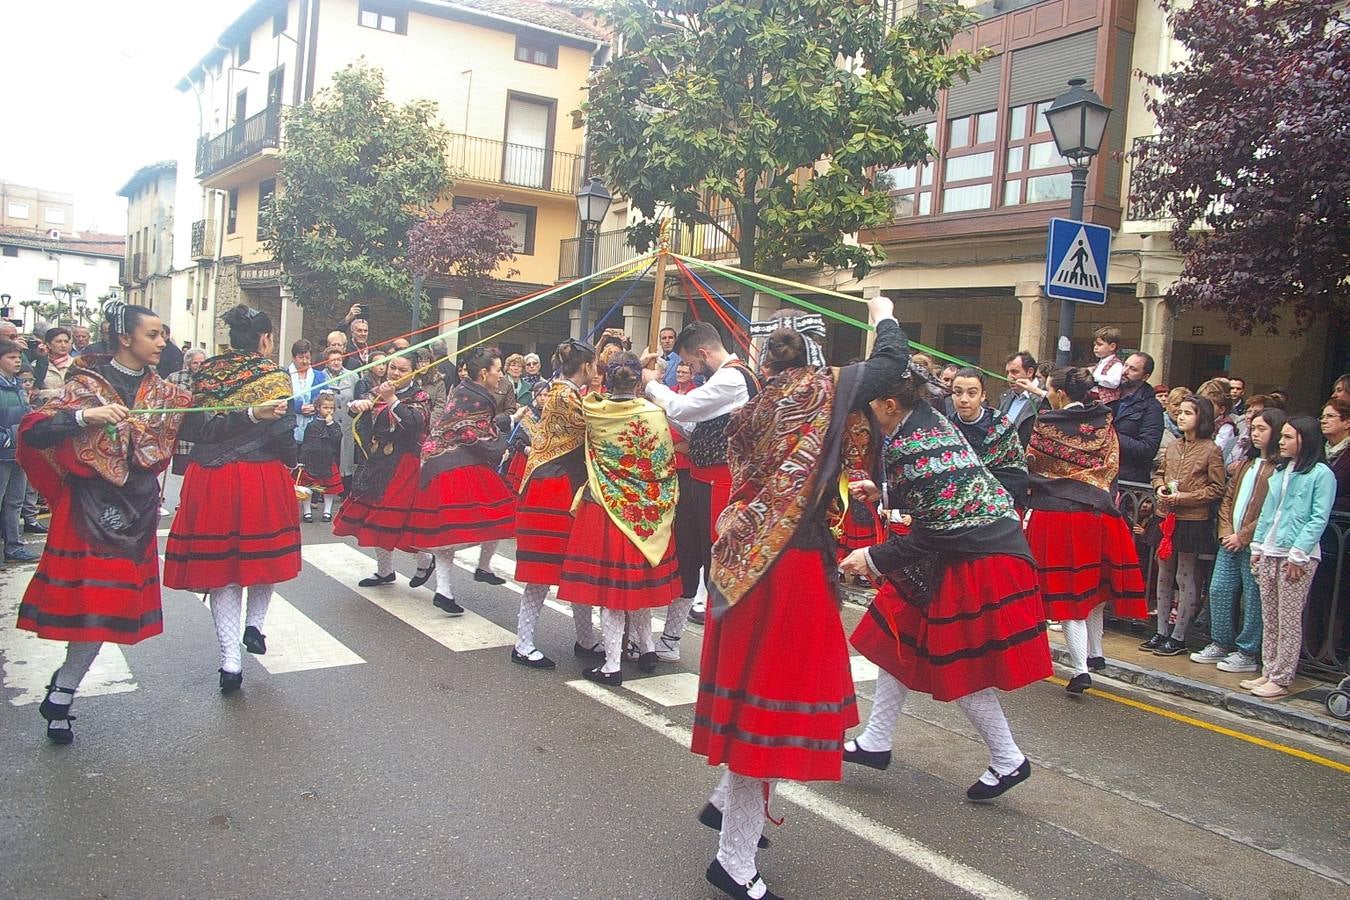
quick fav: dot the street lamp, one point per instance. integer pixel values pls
(592, 205)
(1077, 119)
(63, 296)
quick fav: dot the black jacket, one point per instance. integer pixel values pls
(1139, 427)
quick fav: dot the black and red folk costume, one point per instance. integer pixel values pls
(1084, 549)
(862, 526)
(996, 443)
(320, 451)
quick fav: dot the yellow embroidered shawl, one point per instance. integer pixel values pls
(560, 428)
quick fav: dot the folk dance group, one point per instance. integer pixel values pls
(631, 496)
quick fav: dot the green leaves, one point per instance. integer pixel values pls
(729, 104)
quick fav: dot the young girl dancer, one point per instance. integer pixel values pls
(98, 579)
(320, 452)
(621, 554)
(237, 526)
(1083, 547)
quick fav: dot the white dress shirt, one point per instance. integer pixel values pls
(722, 393)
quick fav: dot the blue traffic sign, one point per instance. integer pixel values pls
(1076, 256)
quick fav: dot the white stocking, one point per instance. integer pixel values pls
(640, 626)
(986, 715)
(485, 555)
(889, 700)
(327, 504)
(384, 562)
(1076, 639)
(80, 655)
(676, 617)
(531, 605)
(226, 606)
(742, 824)
(259, 599)
(719, 794)
(445, 568)
(1096, 625)
(585, 624)
(611, 625)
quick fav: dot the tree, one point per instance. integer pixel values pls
(1250, 159)
(467, 243)
(357, 173)
(739, 101)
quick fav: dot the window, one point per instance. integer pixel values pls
(243, 50)
(968, 175)
(80, 289)
(18, 210)
(528, 158)
(911, 187)
(279, 22)
(913, 330)
(532, 50)
(382, 17)
(44, 285)
(276, 80)
(231, 210)
(54, 216)
(962, 341)
(9, 251)
(961, 199)
(240, 111)
(1036, 173)
(522, 222)
(265, 191)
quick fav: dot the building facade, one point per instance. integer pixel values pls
(147, 269)
(49, 275)
(504, 74)
(29, 207)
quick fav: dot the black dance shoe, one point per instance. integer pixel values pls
(447, 605)
(981, 791)
(57, 714)
(712, 817)
(543, 662)
(230, 681)
(718, 878)
(488, 577)
(1096, 663)
(423, 575)
(328, 517)
(307, 518)
(873, 759)
(612, 679)
(596, 652)
(255, 641)
(1079, 683)
(1170, 647)
(647, 661)
(377, 580)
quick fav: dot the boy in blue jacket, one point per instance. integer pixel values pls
(13, 484)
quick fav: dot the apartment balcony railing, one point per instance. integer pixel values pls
(498, 162)
(239, 142)
(204, 239)
(612, 247)
(137, 267)
(707, 241)
(1146, 158)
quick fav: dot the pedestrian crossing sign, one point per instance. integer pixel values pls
(1075, 261)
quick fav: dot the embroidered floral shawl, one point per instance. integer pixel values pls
(776, 448)
(630, 469)
(467, 433)
(944, 484)
(1074, 459)
(559, 429)
(239, 379)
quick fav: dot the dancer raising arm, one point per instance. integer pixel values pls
(98, 579)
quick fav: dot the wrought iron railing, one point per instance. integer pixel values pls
(1325, 642)
(204, 239)
(239, 142)
(482, 159)
(1145, 157)
(611, 248)
(707, 241)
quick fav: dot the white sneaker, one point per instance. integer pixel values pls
(668, 649)
(1212, 654)
(1237, 661)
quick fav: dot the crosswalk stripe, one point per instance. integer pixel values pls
(349, 565)
(678, 689)
(29, 660)
(296, 644)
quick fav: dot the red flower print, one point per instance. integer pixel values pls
(653, 514)
(645, 465)
(632, 513)
(653, 491)
(949, 491)
(1087, 429)
(628, 460)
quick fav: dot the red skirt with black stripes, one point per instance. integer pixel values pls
(1085, 559)
(775, 692)
(862, 528)
(543, 525)
(329, 482)
(381, 521)
(236, 524)
(465, 505)
(984, 626)
(515, 470)
(603, 568)
(79, 595)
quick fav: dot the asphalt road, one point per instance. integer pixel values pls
(389, 751)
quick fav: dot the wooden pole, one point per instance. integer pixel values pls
(658, 302)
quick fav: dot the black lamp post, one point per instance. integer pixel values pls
(1077, 119)
(593, 202)
(63, 295)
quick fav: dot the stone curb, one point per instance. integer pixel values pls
(1242, 704)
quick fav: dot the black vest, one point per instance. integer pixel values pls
(708, 443)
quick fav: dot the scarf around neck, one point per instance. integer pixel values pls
(559, 428)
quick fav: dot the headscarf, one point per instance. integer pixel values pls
(811, 326)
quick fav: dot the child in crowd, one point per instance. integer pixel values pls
(1286, 549)
(14, 406)
(320, 450)
(1188, 482)
(1109, 369)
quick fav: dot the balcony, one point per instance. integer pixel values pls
(137, 267)
(497, 162)
(238, 143)
(1148, 158)
(612, 248)
(203, 239)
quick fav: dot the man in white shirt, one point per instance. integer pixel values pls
(706, 408)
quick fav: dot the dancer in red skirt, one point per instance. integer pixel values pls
(98, 579)
(775, 690)
(384, 489)
(555, 470)
(1083, 547)
(990, 434)
(960, 612)
(861, 526)
(462, 499)
(621, 555)
(237, 527)
(320, 451)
